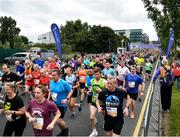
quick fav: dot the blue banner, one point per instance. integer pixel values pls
(170, 44)
(57, 38)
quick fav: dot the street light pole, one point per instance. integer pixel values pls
(109, 44)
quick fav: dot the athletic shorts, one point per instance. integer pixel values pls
(133, 95)
(148, 71)
(89, 98)
(62, 110)
(75, 93)
(93, 104)
(119, 82)
(114, 125)
(82, 85)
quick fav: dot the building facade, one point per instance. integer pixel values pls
(46, 38)
(134, 35)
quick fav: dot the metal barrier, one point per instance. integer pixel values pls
(150, 115)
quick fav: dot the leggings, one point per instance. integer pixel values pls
(15, 126)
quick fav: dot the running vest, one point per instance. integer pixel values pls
(100, 85)
(28, 71)
(82, 76)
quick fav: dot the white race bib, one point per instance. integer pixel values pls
(9, 117)
(111, 111)
(54, 96)
(38, 124)
(36, 81)
(82, 78)
(131, 84)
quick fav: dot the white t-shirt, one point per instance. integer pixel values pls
(122, 72)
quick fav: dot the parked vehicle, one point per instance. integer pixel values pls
(20, 56)
(44, 54)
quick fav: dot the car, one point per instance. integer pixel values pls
(20, 56)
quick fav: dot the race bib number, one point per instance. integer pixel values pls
(111, 111)
(131, 84)
(36, 81)
(9, 117)
(54, 96)
(38, 124)
(82, 79)
(94, 97)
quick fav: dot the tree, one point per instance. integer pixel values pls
(8, 30)
(24, 39)
(75, 34)
(165, 18)
(91, 39)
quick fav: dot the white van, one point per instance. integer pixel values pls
(121, 50)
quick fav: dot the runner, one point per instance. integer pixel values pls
(107, 70)
(82, 81)
(9, 76)
(14, 111)
(148, 69)
(139, 71)
(122, 71)
(29, 81)
(72, 81)
(133, 85)
(39, 113)
(110, 101)
(20, 70)
(60, 94)
(36, 74)
(88, 85)
(98, 84)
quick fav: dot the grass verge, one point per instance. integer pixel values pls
(174, 116)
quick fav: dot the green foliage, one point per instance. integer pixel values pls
(165, 15)
(8, 30)
(91, 39)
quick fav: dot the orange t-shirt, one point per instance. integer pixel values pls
(82, 75)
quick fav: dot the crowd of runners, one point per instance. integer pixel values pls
(104, 81)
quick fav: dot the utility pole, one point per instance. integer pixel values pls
(109, 45)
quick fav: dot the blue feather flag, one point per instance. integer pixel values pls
(170, 44)
(57, 38)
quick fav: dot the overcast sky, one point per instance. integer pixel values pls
(34, 17)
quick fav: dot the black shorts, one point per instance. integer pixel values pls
(75, 93)
(114, 125)
(89, 98)
(133, 95)
(62, 110)
(82, 85)
(93, 104)
(148, 71)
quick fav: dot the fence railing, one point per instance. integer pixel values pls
(152, 112)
